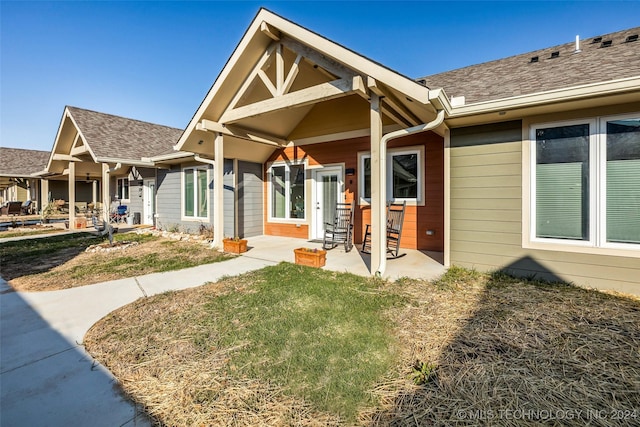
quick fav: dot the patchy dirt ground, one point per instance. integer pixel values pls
(71, 267)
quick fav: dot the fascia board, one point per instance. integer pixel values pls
(550, 97)
(130, 162)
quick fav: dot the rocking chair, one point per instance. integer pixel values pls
(395, 218)
(341, 230)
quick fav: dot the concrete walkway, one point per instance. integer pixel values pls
(47, 378)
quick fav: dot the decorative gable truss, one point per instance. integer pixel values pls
(274, 82)
(292, 75)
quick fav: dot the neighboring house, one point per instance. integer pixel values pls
(533, 165)
(103, 160)
(16, 169)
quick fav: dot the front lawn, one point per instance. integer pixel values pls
(60, 262)
(290, 345)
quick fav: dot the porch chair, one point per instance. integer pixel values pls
(119, 215)
(395, 219)
(341, 229)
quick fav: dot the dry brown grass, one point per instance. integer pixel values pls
(498, 345)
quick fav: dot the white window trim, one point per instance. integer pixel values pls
(183, 216)
(597, 243)
(128, 199)
(287, 172)
(416, 149)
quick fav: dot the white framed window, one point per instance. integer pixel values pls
(286, 191)
(122, 188)
(195, 192)
(585, 183)
(405, 175)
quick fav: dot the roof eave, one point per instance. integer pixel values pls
(573, 93)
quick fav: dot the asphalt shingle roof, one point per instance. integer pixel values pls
(20, 162)
(120, 137)
(519, 75)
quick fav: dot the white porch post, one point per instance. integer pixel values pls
(94, 192)
(377, 186)
(106, 198)
(72, 195)
(218, 190)
(44, 193)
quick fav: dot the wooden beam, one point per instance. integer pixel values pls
(293, 73)
(270, 31)
(312, 95)
(378, 186)
(262, 63)
(218, 191)
(76, 151)
(400, 112)
(238, 132)
(312, 56)
(279, 69)
(267, 82)
(66, 158)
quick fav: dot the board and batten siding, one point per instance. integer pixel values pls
(486, 216)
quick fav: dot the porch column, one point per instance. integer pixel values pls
(106, 196)
(94, 192)
(44, 194)
(378, 249)
(72, 195)
(218, 191)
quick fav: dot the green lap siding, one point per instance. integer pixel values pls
(486, 216)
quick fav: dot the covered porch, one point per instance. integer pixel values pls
(330, 126)
(415, 264)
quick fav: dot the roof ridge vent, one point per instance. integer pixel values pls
(555, 54)
(596, 40)
(534, 59)
(606, 43)
(631, 38)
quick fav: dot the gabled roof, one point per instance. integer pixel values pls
(112, 136)
(17, 162)
(276, 61)
(555, 68)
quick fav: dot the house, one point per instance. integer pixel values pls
(16, 181)
(102, 160)
(530, 164)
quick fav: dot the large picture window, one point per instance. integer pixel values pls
(287, 191)
(586, 182)
(122, 188)
(195, 190)
(405, 175)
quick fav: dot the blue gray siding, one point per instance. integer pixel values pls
(250, 199)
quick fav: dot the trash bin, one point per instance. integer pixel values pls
(129, 220)
(136, 217)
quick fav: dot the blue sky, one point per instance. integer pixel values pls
(155, 61)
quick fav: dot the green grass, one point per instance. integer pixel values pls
(320, 335)
(9, 234)
(22, 250)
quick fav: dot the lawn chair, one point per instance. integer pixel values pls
(119, 215)
(25, 208)
(341, 229)
(395, 218)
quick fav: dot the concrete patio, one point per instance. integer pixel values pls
(415, 264)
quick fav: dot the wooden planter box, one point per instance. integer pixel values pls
(234, 246)
(309, 258)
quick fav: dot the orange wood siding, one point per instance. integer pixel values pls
(418, 219)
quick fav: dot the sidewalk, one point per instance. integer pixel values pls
(46, 376)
